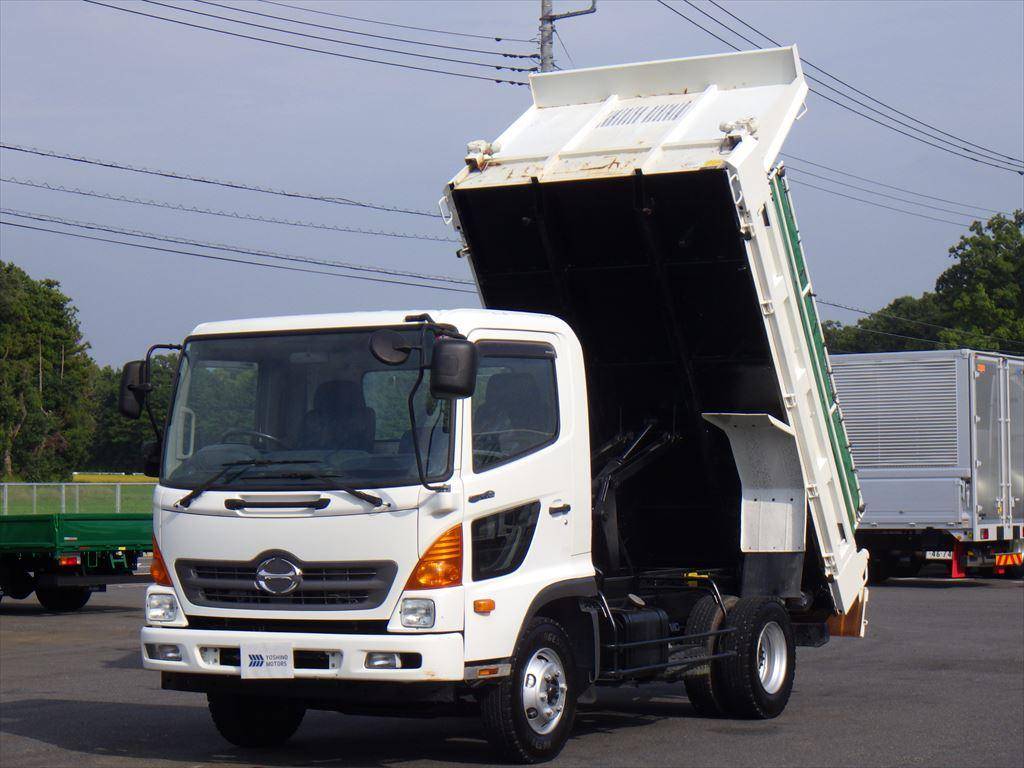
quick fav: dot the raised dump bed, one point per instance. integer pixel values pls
(642, 205)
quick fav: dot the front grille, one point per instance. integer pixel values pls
(336, 586)
(229, 624)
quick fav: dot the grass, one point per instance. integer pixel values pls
(109, 477)
(84, 498)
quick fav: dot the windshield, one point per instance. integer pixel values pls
(305, 410)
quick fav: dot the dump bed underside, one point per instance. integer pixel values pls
(653, 278)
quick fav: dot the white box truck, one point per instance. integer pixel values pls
(629, 467)
(938, 438)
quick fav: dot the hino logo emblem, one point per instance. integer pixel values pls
(277, 576)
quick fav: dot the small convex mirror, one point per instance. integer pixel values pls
(453, 369)
(131, 397)
(389, 347)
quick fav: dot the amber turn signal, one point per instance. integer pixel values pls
(483, 606)
(158, 568)
(441, 564)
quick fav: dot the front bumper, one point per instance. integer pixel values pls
(442, 654)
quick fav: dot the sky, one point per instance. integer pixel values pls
(87, 80)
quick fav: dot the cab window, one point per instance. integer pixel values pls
(515, 408)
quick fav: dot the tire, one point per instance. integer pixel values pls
(543, 649)
(756, 682)
(63, 599)
(255, 721)
(703, 684)
(16, 584)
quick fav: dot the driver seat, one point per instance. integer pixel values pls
(339, 419)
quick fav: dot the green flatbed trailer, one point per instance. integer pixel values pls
(66, 556)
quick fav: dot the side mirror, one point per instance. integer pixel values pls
(390, 347)
(132, 395)
(453, 369)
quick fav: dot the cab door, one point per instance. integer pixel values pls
(517, 469)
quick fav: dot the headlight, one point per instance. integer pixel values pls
(417, 613)
(162, 608)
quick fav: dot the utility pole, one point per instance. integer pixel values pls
(547, 30)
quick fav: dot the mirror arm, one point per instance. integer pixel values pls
(147, 385)
(412, 423)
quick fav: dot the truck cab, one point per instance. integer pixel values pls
(629, 467)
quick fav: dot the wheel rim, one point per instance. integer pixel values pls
(544, 691)
(771, 657)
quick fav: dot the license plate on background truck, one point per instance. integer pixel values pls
(934, 554)
(266, 660)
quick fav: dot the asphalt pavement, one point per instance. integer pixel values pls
(939, 681)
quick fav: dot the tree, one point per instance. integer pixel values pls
(46, 379)
(977, 303)
(117, 443)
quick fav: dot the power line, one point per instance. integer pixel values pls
(880, 313)
(325, 39)
(889, 186)
(562, 43)
(307, 48)
(791, 169)
(370, 34)
(229, 259)
(997, 157)
(836, 102)
(214, 182)
(866, 95)
(231, 248)
(900, 336)
(496, 38)
(882, 205)
(227, 214)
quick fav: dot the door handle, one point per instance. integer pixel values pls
(561, 509)
(481, 496)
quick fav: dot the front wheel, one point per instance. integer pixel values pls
(63, 599)
(528, 716)
(255, 721)
(758, 678)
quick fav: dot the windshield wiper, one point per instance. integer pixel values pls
(328, 477)
(244, 466)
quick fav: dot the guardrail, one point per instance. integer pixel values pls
(75, 498)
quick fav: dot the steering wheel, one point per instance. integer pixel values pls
(259, 436)
(499, 445)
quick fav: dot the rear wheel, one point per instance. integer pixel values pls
(63, 599)
(703, 683)
(756, 682)
(528, 716)
(255, 721)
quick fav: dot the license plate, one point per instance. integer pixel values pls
(938, 555)
(266, 660)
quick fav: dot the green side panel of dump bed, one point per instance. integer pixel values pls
(75, 532)
(131, 530)
(28, 533)
(816, 342)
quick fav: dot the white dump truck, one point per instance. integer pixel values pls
(629, 467)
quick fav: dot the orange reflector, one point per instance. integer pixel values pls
(441, 565)
(483, 606)
(70, 560)
(158, 568)
(981, 367)
(1010, 559)
(487, 672)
